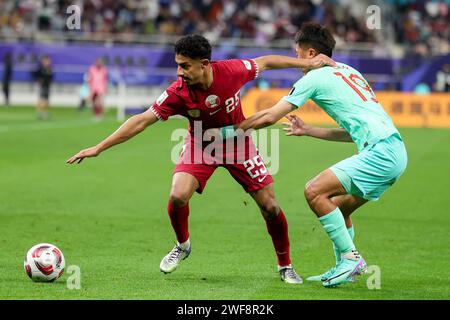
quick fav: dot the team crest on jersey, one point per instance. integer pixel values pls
(212, 101)
(247, 64)
(194, 113)
(162, 97)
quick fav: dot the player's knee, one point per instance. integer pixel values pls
(309, 192)
(178, 199)
(346, 212)
(312, 194)
(269, 209)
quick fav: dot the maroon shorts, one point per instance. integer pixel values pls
(242, 160)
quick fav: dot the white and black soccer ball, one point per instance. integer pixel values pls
(44, 262)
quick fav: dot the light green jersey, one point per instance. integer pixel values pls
(345, 95)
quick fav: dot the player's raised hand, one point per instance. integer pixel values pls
(86, 153)
(322, 60)
(295, 126)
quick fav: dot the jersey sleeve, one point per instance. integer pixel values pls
(244, 70)
(167, 104)
(302, 90)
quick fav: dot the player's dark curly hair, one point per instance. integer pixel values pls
(314, 35)
(193, 46)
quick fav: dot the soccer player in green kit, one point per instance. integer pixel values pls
(334, 194)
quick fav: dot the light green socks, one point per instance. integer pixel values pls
(337, 253)
(334, 225)
(351, 232)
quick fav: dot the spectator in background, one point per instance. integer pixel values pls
(422, 88)
(263, 84)
(44, 76)
(443, 79)
(7, 74)
(418, 26)
(84, 93)
(98, 85)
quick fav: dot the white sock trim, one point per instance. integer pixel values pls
(185, 245)
(282, 267)
(351, 255)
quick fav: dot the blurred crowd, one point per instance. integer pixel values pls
(263, 20)
(422, 24)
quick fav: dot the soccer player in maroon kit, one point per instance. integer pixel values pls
(207, 93)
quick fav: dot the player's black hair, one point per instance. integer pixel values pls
(193, 46)
(314, 35)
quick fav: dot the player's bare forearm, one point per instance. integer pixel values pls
(259, 120)
(267, 117)
(297, 127)
(126, 131)
(282, 62)
(330, 134)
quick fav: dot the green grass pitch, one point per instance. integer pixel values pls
(109, 217)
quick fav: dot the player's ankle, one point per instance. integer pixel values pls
(284, 266)
(185, 245)
(351, 255)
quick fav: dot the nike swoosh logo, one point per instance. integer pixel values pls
(262, 179)
(212, 113)
(329, 279)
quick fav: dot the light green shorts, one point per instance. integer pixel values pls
(371, 172)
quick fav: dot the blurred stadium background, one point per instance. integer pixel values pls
(408, 53)
(109, 216)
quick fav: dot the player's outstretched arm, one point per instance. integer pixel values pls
(266, 117)
(261, 119)
(127, 130)
(282, 62)
(297, 127)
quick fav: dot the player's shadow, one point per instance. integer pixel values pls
(197, 279)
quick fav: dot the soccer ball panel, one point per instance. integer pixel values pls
(44, 262)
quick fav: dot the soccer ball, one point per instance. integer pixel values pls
(44, 262)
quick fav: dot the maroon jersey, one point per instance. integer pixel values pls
(218, 106)
(215, 107)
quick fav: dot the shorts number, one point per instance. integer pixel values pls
(257, 163)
